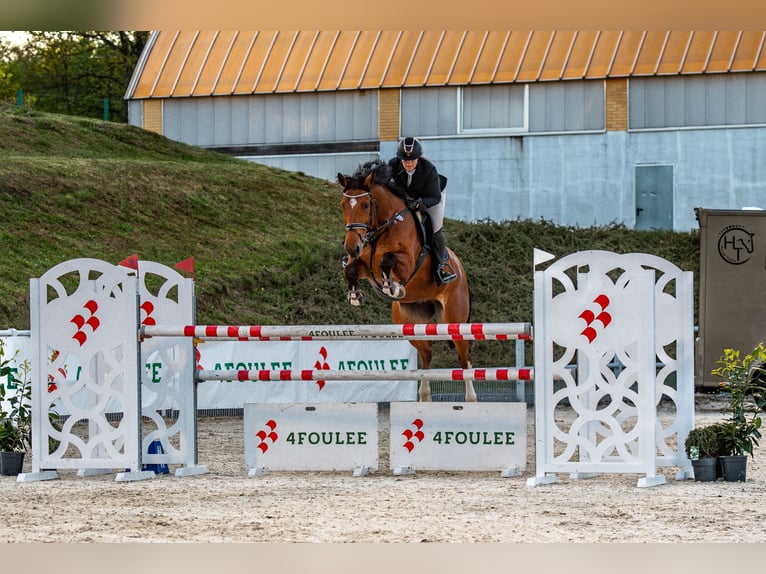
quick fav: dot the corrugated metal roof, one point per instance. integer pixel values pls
(205, 63)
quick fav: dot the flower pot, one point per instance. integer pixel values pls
(705, 469)
(734, 468)
(11, 463)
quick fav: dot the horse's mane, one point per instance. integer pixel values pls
(381, 174)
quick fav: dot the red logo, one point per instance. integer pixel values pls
(322, 365)
(80, 322)
(267, 434)
(197, 358)
(411, 434)
(148, 308)
(52, 386)
(590, 316)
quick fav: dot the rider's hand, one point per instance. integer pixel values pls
(413, 204)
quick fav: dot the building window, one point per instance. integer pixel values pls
(544, 107)
(567, 106)
(494, 108)
(697, 101)
(429, 111)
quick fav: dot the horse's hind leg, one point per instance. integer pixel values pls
(464, 353)
(457, 310)
(425, 353)
(417, 313)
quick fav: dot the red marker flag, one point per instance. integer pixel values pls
(130, 262)
(186, 265)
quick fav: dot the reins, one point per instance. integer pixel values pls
(371, 235)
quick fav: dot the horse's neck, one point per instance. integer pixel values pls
(388, 204)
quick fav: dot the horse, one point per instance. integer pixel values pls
(385, 244)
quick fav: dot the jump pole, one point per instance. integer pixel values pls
(410, 331)
(491, 374)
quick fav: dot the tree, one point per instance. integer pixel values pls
(73, 72)
(7, 91)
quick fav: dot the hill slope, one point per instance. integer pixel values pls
(267, 243)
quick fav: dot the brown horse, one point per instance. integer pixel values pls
(385, 245)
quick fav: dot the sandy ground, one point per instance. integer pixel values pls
(226, 505)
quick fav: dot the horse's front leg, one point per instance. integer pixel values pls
(354, 295)
(390, 286)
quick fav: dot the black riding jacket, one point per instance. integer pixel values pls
(425, 185)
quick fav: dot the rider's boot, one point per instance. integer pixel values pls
(443, 272)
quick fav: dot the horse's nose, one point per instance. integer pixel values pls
(353, 249)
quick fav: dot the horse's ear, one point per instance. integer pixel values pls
(368, 181)
(342, 179)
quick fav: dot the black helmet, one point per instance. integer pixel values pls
(409, 148)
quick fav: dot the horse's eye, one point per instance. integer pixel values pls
(366, 206)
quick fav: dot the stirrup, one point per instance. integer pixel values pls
(444, 274)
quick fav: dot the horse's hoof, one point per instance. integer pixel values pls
(355, 298)
(394, 290)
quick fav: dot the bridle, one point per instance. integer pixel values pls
(371, 234)
(365, 226)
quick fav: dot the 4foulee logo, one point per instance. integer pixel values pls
(267, 436)
(148, 308)
(80, 322)
(412, 435)
(590, 316)
(322, 365)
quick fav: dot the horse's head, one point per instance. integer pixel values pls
(366, 203)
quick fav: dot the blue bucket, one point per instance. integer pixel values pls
(155, 447)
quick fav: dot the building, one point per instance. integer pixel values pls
(578, 128)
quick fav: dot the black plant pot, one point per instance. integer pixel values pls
(734, 468)
(705, 469)
(11, 463)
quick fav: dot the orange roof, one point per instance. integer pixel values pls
(205, 63)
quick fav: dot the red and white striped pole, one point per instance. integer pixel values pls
(410, 331)
(491, 374)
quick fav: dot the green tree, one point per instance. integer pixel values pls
(7, 91)
(73, 72)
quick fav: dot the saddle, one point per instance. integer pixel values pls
(425, 228)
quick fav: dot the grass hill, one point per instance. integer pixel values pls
(267, 242)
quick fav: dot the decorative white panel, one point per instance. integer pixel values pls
(625, 322)
(167, 375)
(85, 312)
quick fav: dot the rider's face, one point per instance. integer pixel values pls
(409, 164)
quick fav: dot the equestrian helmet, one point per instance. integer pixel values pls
(409, 148)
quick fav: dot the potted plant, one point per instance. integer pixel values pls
(702, 449)
(15, 416)
(740, 431)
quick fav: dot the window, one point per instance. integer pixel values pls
(493, 108)
(567, 106)
(504, 109)
(429, 111)
(697, 101)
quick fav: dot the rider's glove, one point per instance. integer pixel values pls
(413, 204)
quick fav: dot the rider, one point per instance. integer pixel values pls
(416, 175)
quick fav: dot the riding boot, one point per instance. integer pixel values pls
(443, 272)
